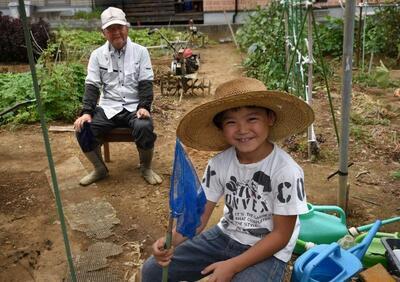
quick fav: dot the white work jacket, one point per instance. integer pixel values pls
(117, 75)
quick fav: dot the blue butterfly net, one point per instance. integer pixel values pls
(187, 199)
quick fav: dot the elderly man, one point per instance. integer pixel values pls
(120, 73)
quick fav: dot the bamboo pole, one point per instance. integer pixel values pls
(230, 28)
(168, 240)
(21, 8)
(287, 52)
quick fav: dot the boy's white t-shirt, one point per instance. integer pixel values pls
(254, 192)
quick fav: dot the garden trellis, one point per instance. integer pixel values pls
(282, 26)
(301, 60)
(299, 72)
(300, 57)
(365, 10)
(299, 13)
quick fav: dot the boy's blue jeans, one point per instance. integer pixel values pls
(192, 256)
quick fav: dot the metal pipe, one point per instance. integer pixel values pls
(236, 12)
(347, 64)
(360, 23)
(363, 37)
(386, 221)
(310, 43)
(287, 53)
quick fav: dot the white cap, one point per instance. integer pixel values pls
(112, 16)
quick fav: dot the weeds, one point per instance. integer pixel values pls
(359, 134)
(396, 175)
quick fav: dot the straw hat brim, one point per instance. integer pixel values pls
(197, 129)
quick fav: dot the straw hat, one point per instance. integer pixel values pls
(197, 129)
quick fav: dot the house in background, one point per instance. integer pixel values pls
(159, 12)
(46, 8)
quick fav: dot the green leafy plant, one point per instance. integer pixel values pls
(379, 77)
(61, 75)
(76, 45)
(359, 119)
(263, 37)
(92, 15)
(331, 36)
(396, 175)
(383, 32)
(15, 88)
(359, 134)
(61, 88)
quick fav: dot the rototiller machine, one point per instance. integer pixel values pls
(182, 78)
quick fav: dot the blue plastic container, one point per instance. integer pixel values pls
(325, 263)
(331, 262)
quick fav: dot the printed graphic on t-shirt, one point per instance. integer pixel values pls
(208, 175)
(248, 202)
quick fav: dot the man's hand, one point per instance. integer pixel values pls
(162, 256)
(222, 271)
(142, 113)
(78, 124)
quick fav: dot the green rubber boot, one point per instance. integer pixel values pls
(146, 157)
(100, 170)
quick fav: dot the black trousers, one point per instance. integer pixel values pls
(142, 129)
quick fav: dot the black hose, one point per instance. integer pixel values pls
(16, 106)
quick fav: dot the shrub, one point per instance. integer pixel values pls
(76, 45)
(331, 36)
(264, 39)
(61, 90)
(14, 88)
(383, 32)
(95, 14)
(12, 42)
(379, 77)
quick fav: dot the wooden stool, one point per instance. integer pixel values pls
(119, 134)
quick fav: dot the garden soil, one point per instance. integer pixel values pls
(31, 242)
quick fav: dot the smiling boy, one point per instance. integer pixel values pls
(263, 187)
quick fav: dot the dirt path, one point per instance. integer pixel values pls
(31, 245)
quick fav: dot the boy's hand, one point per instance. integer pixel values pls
(222, 271)
(162, 256)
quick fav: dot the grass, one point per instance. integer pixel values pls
(396, 175)
(359, 133)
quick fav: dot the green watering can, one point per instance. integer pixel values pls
(376, 251)
(321, 227)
